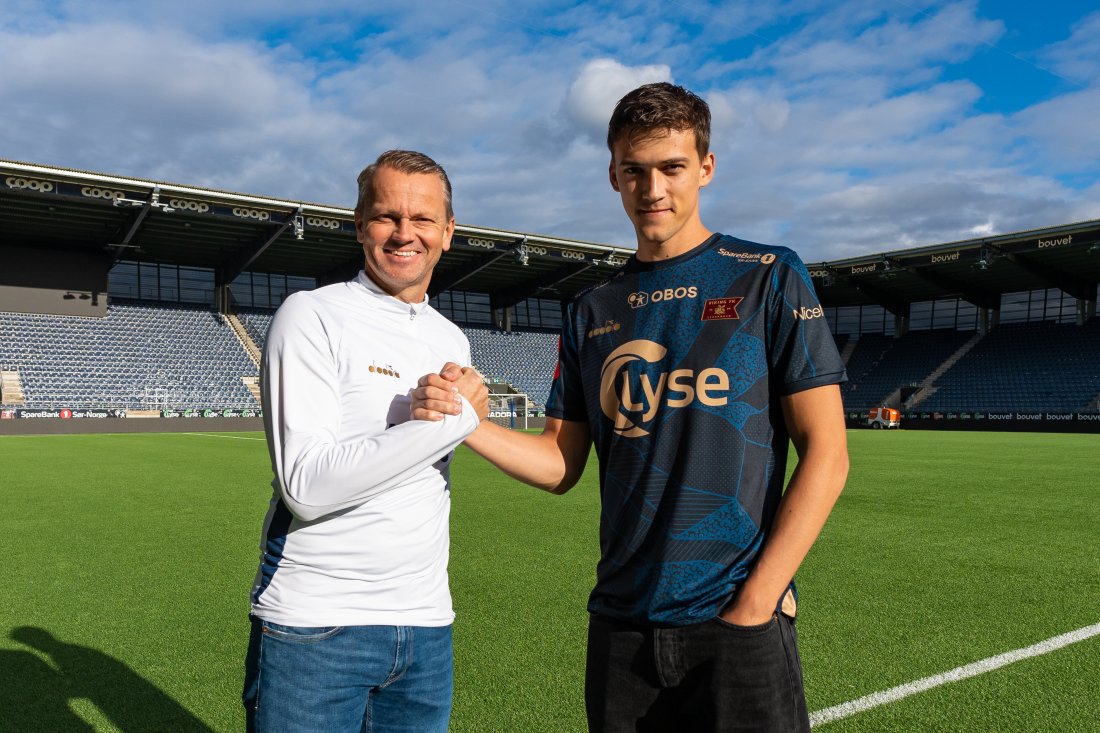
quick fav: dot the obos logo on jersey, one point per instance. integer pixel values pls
(631, 405)
(641, 299)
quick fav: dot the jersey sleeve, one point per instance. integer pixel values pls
(566, 400)
(801, 351)
(317, 474)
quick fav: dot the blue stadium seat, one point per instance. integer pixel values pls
(139, 356)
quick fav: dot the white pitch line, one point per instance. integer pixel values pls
(230, 437)
(974, 669)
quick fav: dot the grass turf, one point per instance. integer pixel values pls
(128, 558)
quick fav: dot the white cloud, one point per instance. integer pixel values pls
(1066, 131)
(1078, 57)
(853, 128)
(599, 87)
(856, 39)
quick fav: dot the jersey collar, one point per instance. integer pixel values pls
(387, 301)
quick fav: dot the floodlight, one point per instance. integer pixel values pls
(984, 258)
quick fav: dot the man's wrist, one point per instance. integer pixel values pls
(749, 606)
(466, 412)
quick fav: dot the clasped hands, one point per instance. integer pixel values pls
(437, 395)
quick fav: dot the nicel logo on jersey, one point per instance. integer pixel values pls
(633, 405)
(805, 314)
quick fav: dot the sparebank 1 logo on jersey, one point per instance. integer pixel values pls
(631, 403)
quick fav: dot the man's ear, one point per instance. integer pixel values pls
(448, 234)
(611, 175)
(706, 170)
(358, 227)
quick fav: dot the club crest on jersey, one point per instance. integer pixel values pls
(632, 401)
(720, 309)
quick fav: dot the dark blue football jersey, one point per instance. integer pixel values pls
(678, 367)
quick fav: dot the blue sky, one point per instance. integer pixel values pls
(840, 128)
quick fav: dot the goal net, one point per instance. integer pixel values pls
(509, 410)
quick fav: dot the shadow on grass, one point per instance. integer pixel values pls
(36, 696)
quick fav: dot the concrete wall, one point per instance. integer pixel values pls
(53, 281)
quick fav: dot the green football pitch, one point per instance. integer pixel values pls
(126, 562)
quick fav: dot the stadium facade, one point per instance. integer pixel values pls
(172, 287)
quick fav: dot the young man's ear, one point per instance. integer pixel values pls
(706, 171)
(611, 175)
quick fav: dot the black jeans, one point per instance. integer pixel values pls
(712, 676)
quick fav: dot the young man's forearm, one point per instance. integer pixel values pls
(815, 420)
(552, 460)
(813, 490)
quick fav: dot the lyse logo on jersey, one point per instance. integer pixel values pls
(632, 402)
(641, 299)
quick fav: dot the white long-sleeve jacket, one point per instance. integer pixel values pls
(357, 529)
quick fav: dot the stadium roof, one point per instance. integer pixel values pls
(137, 219)
(977, 270)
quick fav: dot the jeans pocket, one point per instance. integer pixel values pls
(746, 631)
(300, 634)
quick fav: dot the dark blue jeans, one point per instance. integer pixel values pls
(709, 677)
(348, 679)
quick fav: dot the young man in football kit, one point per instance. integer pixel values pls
(717, 357)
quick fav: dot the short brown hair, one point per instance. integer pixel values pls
(653, 109)
(404, 161)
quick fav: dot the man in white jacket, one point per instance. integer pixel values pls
(351, 609)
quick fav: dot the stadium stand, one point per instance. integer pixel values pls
(1024, 367)
(865, 353)
(156, 356)
(887, 364)
(526, 360)
(140, 357)
(256, 321)
(841, 340)
(245, 253)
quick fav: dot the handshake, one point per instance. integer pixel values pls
(438, 395)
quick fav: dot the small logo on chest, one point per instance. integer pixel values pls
(384, 371)
(607, 327)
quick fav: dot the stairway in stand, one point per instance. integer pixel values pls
(11, 389)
